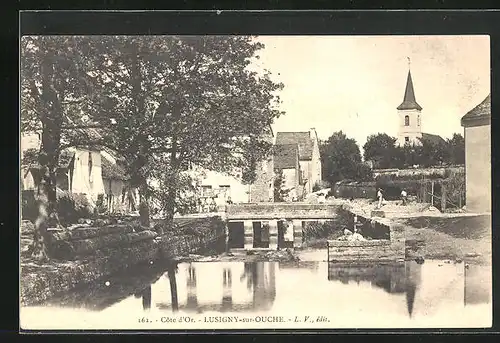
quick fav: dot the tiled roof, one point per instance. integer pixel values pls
(303, 139)
(409, 102)
(111, 170)
(285, 156)
(483, 110)
(434, 139)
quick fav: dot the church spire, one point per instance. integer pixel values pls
(409, 102)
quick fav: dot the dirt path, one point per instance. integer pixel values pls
(458, 238)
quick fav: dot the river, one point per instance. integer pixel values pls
(230, 295)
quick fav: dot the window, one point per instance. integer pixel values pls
(407, 120)
(225, 191)
(206, 191)
(407, 139)
(418, 121)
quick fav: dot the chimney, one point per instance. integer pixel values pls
(312, 133)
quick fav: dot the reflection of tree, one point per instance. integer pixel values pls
(394, 279)
(227, 296)
(264, 288)
(171, 271)
(192, 298)
(413, 279)
(146, 298)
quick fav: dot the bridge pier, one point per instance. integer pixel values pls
(248, 217)
(273, 234)
(248, 231)
(297, 233)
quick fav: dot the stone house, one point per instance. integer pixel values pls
(81, 171)
(477, 134)
(286, 161)
(309, 156)
(222, 186)
(118, 195)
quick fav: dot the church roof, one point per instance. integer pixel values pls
(481, 111)
(303, 139)
(432, 138)
(409, 102)
(285, 156)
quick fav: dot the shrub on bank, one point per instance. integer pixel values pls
(70, 207)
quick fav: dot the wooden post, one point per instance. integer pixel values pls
(443, 196)
(432, 193)
(248, 229)
(273, 234)
(297, 233)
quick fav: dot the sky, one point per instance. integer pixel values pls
(355, 83)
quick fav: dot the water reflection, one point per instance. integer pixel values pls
(254, 289)
(406, 290)
(477, 285)
(402, 278)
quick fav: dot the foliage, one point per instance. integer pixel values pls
(455, 191)
(319, 185)
(71, 207)
(54, 94)
(29, 208)
(456, 149)
(341, 159)
(100, 206)
(280, 193)
(184, 100)
(381, 149)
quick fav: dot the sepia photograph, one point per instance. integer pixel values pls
(194, 182)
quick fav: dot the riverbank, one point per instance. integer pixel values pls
(431, 234)
(108, 250)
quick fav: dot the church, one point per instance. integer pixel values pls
(410, 119)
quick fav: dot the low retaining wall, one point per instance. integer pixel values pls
(86, 254)
(375, 250)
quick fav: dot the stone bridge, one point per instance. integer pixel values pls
(272, 222)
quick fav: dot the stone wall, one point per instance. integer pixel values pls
(442, 171)
(262, 190)
(85, 254)
(376, 250)
(282, 211)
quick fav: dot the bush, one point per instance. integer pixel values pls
(319, 185)
(71, 207)
(29, 208)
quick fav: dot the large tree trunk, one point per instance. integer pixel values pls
(144, 213)
(48, 159)
(170, 205)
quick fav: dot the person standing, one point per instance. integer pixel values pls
(380, 197)
(404, 197)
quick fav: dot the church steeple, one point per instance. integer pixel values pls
(409, 102)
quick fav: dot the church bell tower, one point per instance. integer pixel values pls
(409, 112)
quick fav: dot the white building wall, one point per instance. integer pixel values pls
(239, 192)
(91, 183)
(478, 168)
(412, 131)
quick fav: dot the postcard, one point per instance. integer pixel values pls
(255, 182)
